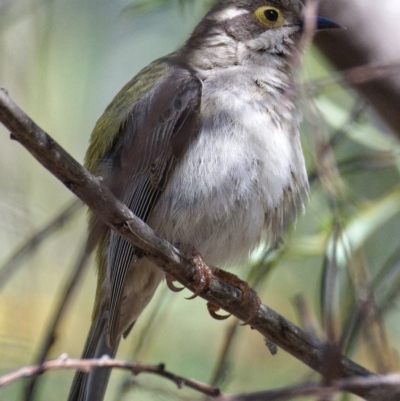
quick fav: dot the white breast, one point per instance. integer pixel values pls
(241, 177)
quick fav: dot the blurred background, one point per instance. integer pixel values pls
(62, 62)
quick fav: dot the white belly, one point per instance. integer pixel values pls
(239, 180)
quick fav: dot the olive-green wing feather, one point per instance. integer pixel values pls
(160, 127)
(106, 136)
(108, 128)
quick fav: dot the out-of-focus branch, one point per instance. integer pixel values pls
(351, 384)
(32, 243)
(325, 391)
(370, 38)
(118, 217)
(222, 366)
(64, 299)
(85, 365)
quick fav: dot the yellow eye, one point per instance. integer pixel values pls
(270, 16)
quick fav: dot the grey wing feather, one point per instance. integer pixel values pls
(95, 347)
(159, 134)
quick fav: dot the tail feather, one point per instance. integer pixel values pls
(92, 386)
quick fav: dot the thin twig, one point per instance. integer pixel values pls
(355, 76)
(389, 273)
(50, 336)
(357, 112)
(310, 21)
(306, 317)
(222, 366)
(372, 384)
(31, 244)
(85, 365)
(373, 329)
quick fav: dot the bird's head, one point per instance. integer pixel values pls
(233, 29)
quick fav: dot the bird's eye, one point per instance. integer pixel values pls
(270, 16)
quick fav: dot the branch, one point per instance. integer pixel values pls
(366, 41)
(361, 75)
(353, 384)
(85, 365)
(65, 295)
(32, 243)
(119, 218)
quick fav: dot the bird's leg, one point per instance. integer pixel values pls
(250, 297)
(202, 277)
(202, 273)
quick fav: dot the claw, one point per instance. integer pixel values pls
(250, 297)
(213, 309)
(195, 295)
(171, 286)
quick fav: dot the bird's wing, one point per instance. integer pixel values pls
(156, 134)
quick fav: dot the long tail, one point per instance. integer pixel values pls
(92, 386)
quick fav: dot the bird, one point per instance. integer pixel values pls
(204, 146)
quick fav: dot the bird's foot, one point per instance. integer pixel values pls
(201, 277)
(250, 298)
(202, 274)
(201, 280)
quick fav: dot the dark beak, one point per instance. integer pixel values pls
(320, 24)
(325, 23)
